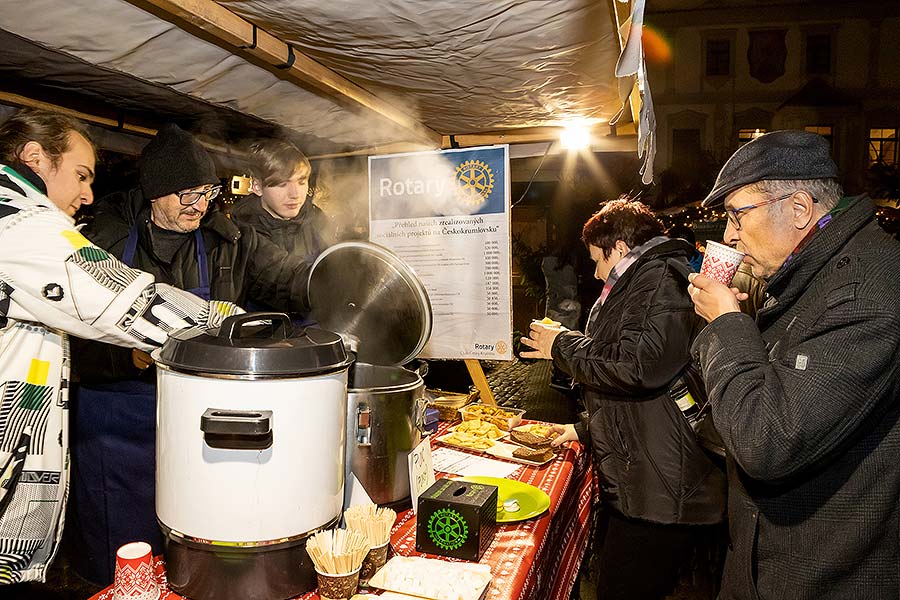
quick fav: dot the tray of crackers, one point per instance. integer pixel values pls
(504, 418)
(480, 428)
(467, 441)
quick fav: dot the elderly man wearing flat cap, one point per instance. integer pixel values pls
(807, 396)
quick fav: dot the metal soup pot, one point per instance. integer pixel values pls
(385, 421)
(384, 308)
(250, 454)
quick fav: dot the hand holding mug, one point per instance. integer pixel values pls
(540, 337)
(712, 299)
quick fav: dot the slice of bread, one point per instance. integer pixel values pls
(533, 454)
(532, 440)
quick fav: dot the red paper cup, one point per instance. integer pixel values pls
(134, 578)
(720, 262)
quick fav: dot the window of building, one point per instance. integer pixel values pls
(883, 146)
(686, 149)
(718, 57)
(745, 135)
(818, 54)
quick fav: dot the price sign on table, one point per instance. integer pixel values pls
(421, 470)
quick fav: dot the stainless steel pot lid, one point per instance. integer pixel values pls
(243, 346)
(366, 291)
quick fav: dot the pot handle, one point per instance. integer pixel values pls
(237, 429)
(363, 425)
(421, 407)
(231, 326)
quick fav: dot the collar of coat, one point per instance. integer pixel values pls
(672, 248)
(796, 275)
(28, 174)
(252, 212)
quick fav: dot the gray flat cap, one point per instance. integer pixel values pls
(788, 154)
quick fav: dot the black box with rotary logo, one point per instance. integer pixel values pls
(456, 518)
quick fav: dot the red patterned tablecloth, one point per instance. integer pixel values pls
(538, 558)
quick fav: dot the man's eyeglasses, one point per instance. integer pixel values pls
(193, 197)
(734, 214)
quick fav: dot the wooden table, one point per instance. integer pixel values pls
(538, 558)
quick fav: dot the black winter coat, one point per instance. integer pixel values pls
(807, 401)
(648, 461)
(242, 265)
(306, 235)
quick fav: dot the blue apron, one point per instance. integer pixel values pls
(113, 489)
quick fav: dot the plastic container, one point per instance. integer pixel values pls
(502, 417)
(449, 403)
(432, 416)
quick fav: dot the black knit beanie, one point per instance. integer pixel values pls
(174, 161)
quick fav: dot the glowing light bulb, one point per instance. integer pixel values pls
(574, 137)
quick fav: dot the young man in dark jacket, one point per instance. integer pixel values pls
(807, 397)
(655, 480)
(170, 228)
(282, 209)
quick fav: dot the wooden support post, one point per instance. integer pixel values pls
(480, 381)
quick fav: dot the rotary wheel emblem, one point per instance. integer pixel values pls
(447, 529)
(474, 182)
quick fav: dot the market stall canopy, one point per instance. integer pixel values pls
(341, 76)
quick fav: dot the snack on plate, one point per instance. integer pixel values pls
(466, 440)
(480, 428)
(539, 429)
(503, 418)
(533, 454)
(532, 440)
(548, 322)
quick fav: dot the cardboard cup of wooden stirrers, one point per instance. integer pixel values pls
(375, 523)
(338, 556)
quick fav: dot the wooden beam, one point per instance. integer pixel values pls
(19, 100)
(480, 381)
(394, 148)
(237, 35)
(24, 101)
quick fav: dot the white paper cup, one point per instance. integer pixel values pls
(720, 262)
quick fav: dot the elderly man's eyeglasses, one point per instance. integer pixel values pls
(193, 197)
(734, 214)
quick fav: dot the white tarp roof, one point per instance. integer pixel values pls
(365, 72)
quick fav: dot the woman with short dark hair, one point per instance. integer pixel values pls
(656, 482)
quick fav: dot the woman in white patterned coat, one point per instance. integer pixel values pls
(55, 283)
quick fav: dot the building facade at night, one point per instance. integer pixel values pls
(723, 71)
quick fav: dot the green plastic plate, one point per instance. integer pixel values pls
(532, 501)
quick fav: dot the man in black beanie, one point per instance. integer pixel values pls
(807, 396)
(169, 227)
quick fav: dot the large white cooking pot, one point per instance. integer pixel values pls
(251, 432)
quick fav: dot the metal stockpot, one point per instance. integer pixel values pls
(385, 421)
(371, 296)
